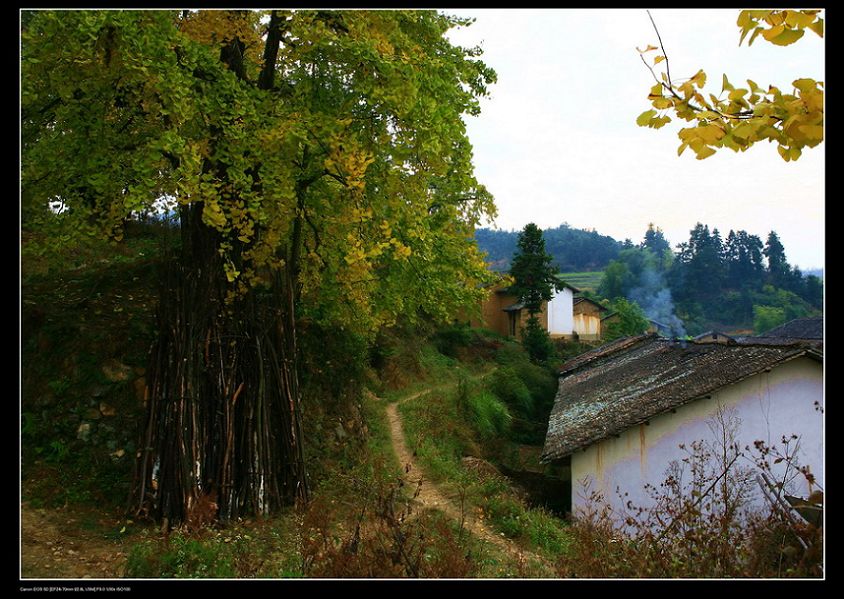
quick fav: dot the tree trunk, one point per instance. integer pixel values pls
(223, 430)
(223, 434)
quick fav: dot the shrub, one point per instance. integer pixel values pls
(450, 339)
(182, 557)
(386, 540)
(766, 318)
(509, 387)
(488, 415)
(537, 342)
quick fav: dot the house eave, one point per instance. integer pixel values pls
(615, 430)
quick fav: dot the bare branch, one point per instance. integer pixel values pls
(661, 47)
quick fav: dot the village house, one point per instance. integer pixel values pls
(623, 410)
(506, 315)
(587, 318)
(564, 317)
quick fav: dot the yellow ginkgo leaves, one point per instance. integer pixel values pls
(741, 116)
(780, 27)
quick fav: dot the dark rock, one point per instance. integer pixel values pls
(83, 433)
(115, 371)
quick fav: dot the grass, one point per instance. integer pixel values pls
(435, 369)
(248, 549)
(441, 435)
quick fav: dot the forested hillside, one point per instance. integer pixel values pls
(708, 281)
(572, 249)
(713, 282)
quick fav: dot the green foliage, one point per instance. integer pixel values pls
(511, 389)
(441, 428)
(527, 389)
(534, 278)
(655, 240)
(535, 526)
(778, 268)
(720, 281)
(537, 341)
(488, 415)
(741, 116)
(616, 280)
(184, 558)
(268, 549)
(438, 434)
(766, 318)
(631, 268)
(334, 371)
(448, 340)
(628, 320)
(300, 167)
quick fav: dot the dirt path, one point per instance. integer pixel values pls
(431, 495)
(53, 545)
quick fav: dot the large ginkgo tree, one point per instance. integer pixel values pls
(318, 165)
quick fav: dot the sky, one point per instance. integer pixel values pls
(556, 140)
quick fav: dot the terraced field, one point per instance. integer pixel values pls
(585, 281)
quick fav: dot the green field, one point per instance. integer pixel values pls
(585, 281)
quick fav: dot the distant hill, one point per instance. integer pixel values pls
(818, 272)
(574, 250)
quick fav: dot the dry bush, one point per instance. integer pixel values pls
(387, 539)
(704, 520)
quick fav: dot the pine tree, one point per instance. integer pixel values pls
(655, 240)
(535, 281)
(778, 267)
(535, 278)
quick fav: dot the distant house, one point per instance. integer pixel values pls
(623, 410)
(506, 315)
(587, 318)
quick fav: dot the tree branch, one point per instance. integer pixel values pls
(661, 47)
(743, 115)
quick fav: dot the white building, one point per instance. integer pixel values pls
(624, 410)
(561, 313)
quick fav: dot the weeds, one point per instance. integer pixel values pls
(386, 539)
(249, 549)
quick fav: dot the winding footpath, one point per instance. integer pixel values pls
(431, 495)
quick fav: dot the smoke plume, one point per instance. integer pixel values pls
(654, 296)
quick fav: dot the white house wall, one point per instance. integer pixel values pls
(587, 326)
(561, 313)
(768, 406)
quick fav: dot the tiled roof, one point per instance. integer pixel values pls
(631, 380)
(608, 349)
(578, 300)
(799, 328)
